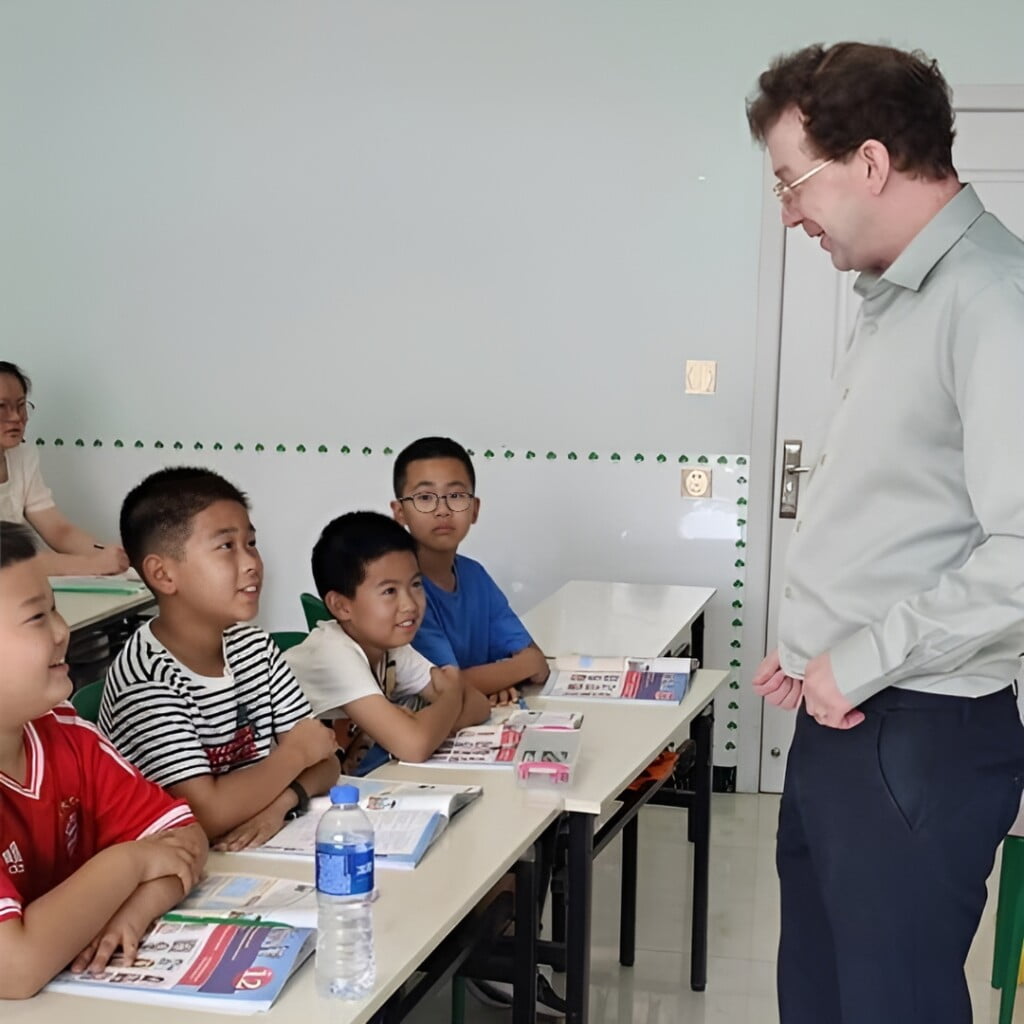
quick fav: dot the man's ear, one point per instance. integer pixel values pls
(159, 573)
(338, 605)
(398, 512)
(877, 164)
(476, 511)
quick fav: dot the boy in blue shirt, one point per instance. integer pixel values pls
(468, 621)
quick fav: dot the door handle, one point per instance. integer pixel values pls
(789, 492)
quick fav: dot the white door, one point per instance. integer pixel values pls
(819, 307)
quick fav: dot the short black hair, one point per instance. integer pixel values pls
(13, 370)
(347, 546)
(156, 516)
(17, 543)
(430, 448)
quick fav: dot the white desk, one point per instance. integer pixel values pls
(415, 912)
(619, 741)
(84, 611)
(617, 619)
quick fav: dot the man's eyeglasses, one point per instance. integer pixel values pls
(783, 191)
(427, 501)
(16, 410)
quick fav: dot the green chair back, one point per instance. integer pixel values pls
(87, 701)
(314, 609)
(1009, 926)
(288, 638)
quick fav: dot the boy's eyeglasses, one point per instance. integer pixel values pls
(16, 410)
(427, 501)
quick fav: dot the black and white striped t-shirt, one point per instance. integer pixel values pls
(173, 726)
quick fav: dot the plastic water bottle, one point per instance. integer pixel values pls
(345, 966)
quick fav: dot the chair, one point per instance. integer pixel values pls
(1009, 924)
(86, 701)
(314, 609)
(288, 638)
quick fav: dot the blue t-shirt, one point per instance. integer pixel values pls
(473, 625)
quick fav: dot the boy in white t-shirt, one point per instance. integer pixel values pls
(359, 669)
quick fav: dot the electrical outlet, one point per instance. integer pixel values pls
(696, 483)
(701, 376)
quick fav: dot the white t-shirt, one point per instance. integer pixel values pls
(333, 670)
(24, 490)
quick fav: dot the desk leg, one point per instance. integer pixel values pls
(700, 818)
(579, 886)
(627, 897)
(524, 971)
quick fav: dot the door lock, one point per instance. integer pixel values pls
(789, 492)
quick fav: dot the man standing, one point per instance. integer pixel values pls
(903, 606)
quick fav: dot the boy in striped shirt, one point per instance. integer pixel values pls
(201, 703)
(90, 852)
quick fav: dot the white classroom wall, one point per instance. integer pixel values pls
(345, 224)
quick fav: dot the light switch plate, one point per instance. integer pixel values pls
(696, 483)
(701, 376)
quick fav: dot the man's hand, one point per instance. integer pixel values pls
(314, 741)
(775, 686)
(823, 699)
(254, 832)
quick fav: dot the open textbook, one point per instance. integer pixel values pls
(654, 679)
(229, 948)
(407, 818)
(494, 744)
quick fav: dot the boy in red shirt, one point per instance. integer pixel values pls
(90, 852)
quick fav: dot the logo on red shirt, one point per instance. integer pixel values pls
(69, 820)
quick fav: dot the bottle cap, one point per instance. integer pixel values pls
(344, 795)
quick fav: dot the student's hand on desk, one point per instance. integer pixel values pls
(504, 697)
(123, 931)
(775, 686)
(107, 561)
(314, 741)
(168, 854)
(824, 700)
(254, 832)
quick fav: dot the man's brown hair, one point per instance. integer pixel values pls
(851, 92)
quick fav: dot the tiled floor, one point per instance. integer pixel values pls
(743, 930)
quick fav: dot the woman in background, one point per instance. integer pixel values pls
(25, 498)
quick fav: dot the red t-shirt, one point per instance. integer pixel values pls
(80, 796)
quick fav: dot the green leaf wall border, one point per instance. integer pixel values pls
(728, 740)
(323, 448)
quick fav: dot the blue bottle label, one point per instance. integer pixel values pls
(344, 870)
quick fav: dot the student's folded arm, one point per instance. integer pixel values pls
(476, 708)
(151, 899)
(57, 926)
(220, 802)
(524, 666)
(318, 779)
(409, 737)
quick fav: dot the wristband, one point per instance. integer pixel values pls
(303, 801)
